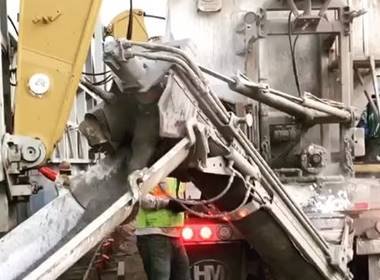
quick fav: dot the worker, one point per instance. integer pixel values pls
(158, 229)
(371, 125)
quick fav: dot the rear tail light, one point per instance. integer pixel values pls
(198, 233)
(205, 232)
(187, 233)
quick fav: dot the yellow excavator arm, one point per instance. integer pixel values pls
(53, 44)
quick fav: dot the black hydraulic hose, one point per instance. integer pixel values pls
(292, 52)
(105, 95)
(204, 201)
(13, 25)
(221, 214)
(130, 21)
(96, 74)
(154, 16)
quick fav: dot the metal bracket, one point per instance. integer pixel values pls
(249, 29)
(349, 16)
(358, 140)
(216, 165)
(21, 153)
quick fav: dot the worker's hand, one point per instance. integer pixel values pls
(150, 202)
(175, 206)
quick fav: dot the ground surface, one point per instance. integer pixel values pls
(124, 252)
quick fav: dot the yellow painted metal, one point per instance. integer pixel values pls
(119, 24)
(370, 168)
(54, 39)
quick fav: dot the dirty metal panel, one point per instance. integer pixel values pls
(277, 70)
(365, 31)
(175, 109)
(216, 50)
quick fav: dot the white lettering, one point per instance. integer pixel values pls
(209, 272)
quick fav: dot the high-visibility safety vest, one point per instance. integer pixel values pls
(161, 218)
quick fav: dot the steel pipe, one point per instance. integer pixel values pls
(342, 114)
(277, 102)
(309, 110)
(243, 164)
(106, 96)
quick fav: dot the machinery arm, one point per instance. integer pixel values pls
(244, 188)
(309, 109)
(47, 78)
(53, 44)
(256, 202)
(54, 38)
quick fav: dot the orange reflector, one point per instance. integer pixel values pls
(187, 233)
(205, 232)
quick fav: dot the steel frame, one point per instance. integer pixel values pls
(339, 29)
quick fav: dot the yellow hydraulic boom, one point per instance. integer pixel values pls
(53, 44)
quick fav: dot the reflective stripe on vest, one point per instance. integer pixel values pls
(163, 217)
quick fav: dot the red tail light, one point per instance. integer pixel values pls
(205, 232)
(187, 233)
(196, 233)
